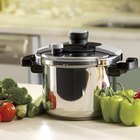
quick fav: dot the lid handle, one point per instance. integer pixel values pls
(29, 61)
(78, 37)
(122, 67)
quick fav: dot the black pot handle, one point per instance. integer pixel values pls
(122, 67)
(29, 61)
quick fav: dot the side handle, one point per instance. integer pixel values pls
(29, 61)
(122, 67)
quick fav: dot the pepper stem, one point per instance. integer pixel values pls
(110, 91)
(126, 97)
(121, 86)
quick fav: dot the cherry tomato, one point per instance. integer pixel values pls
(8, 112)
(52, 99)
(137, 95)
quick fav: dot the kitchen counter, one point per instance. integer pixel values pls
(45, 127)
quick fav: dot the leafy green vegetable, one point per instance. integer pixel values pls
(9, 90)
(7, 83)
(18, 97)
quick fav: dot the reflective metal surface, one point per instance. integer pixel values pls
(73, 89)
(103, 57)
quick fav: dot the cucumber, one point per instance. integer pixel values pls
(36, 107)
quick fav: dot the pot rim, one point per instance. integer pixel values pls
(79, 63)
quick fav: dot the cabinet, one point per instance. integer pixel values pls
(12, 48)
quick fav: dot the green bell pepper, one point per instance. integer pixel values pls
(110, 106)
(96, 100)
(105, 107)
(115, 108)
(130, 112)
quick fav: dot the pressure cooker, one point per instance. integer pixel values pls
(72, 70)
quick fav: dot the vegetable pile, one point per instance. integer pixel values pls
(16, 102)
(122, 106)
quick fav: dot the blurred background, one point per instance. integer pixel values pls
(86, 11)
(26, 25)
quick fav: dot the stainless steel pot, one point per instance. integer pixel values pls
(72, 70)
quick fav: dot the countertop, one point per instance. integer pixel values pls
(45, 127)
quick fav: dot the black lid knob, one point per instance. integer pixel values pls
(78, 37)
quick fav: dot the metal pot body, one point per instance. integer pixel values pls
(69, 92)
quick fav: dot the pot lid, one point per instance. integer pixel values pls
(78, 52)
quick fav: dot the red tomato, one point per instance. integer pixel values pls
(0, 109)
(8, 112)
(52, 99)
(0, 118)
